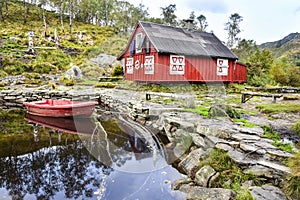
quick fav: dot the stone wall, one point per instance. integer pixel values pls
(14, 98)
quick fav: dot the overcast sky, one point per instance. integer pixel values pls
(263, 20)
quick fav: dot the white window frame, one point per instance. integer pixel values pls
(138, 40)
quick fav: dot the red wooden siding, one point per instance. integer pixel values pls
(197, 69)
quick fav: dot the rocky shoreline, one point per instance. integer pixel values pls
(191, 139)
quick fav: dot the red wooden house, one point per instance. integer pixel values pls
(160, 53)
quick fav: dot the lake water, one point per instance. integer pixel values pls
(46, 158)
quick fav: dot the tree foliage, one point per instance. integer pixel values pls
(233, 28)
(259, 63)
(202, 23)
(168, 14)
(285, 72)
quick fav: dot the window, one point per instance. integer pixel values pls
(139, 42)
(177, 64)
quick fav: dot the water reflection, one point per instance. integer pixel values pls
(58, 163)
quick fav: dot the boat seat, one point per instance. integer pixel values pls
(49, 102)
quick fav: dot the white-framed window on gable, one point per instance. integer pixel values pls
(139, 38)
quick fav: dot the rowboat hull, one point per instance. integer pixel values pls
(60, 108)
(81, 125)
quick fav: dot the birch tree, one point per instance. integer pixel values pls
(202, 23)
(233, 28)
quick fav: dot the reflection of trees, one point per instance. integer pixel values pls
(74, 168)
(49, 170)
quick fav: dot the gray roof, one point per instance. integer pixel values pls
(168, 39)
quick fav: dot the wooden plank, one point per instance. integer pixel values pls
(248, 95)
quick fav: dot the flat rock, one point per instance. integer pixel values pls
(280, 153)
(198, 140)
(180, 182)
(200, 193)
(240, 158)
(224, 147)
(275, 166)
(259, 170)
(265, 145)
(252, 148)
(190, 164)
(215, 140)
(267, 192)
(252, 130)
(242, 136)
(179, 123)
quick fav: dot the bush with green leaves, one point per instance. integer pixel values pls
(2, 74)
(292, 185)
(91, 70)
(284, 72)
(296, 128)
(259, 64)
(55, 57)
(15, 67)
(117, 71)
(44, 68)
(66, 81)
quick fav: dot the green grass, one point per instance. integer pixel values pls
(292, 183)
(296, 127)
(283, 146)
(88, 82)
(245, 122)
(278, 108)
(222, 163)
(201, 110)
(106, 85)
(275, 136)
(97, 40)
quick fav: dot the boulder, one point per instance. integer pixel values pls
(182, 141)
(198, 140)
(267, 192)
(104, 60)
(190, 164)
(221, 110)
(204, 175)
(176, 185)
(74, 72)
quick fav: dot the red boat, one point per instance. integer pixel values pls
(80, 125)
(60, 108)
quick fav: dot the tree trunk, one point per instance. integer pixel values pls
(61, 16)
(71, 15)
(25, 12)
(45, 23)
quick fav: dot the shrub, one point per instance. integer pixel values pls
(44, 68)
(117, 71)
(2, 74)
(92, 71)
(66, 81)
(296, 127)
(292, 186)
(15, 67)
(106, 85)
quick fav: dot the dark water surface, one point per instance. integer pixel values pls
(100, 161)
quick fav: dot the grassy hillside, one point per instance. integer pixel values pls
(288, 46)
(15, 60)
